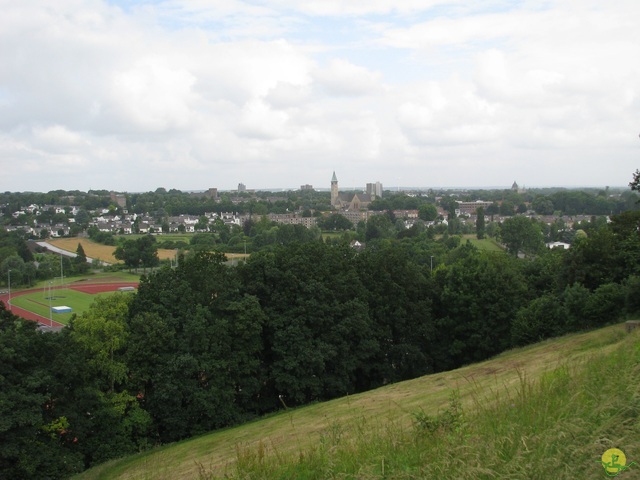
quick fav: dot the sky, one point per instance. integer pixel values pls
(132, 96)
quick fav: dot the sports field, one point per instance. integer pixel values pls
(35, 304)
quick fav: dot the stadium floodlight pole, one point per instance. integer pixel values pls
(50, 311)
(9, 301)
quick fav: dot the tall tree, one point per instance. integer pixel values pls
(33, 432)
(399, 294)
(480, 225)
(479, 296)
(102, 332)
(80, 261)
(319, 341)
(194, 347)
(334, 222)
(142, 252)
(427, 212)
(635, 183)
(104, 417)
(521, 234)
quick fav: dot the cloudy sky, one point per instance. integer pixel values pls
(192, 94)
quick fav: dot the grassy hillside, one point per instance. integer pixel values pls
(545, 411)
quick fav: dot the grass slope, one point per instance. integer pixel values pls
(373, 434)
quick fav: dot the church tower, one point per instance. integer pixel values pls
(334, 190)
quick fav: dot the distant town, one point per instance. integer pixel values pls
(61, 213)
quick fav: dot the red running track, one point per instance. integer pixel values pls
(91, 288)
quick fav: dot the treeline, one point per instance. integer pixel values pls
(24, 267)
(204, 345)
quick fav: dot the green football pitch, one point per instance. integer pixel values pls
(40, 302)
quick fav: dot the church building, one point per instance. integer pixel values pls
(348, 201)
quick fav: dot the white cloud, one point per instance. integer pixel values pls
(57, 138)
(259, 121)
(196, 94)
(151, 95)
(357, 7)
(344, 78)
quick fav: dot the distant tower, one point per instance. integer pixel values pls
(514, 187)
(334, 190)
(374, 189)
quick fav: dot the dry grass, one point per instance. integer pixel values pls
(297, 430)
(91, 249)
(105, 252)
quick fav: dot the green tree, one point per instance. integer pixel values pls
(379, 227)
(319, 340)
(427, 212)
(83, 218)
(33, 431)
(635, 183)
(80, 264)
(17, 266)
(478, 296)
(194, 348)
(521, 234)
(543, 205)
(604, 305)
(400, 308)
(128, 253)
(335, 222)
(105, 419)
(544, 317)
(102, 332)
(493, 209)
(449, 204)
(595, 260)
(202, 224)
(632, 295)
(142, 252)
(507, 208)
(480, 224)
(575, 299)
(453, 224)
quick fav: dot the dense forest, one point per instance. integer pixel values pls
(205, 345)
